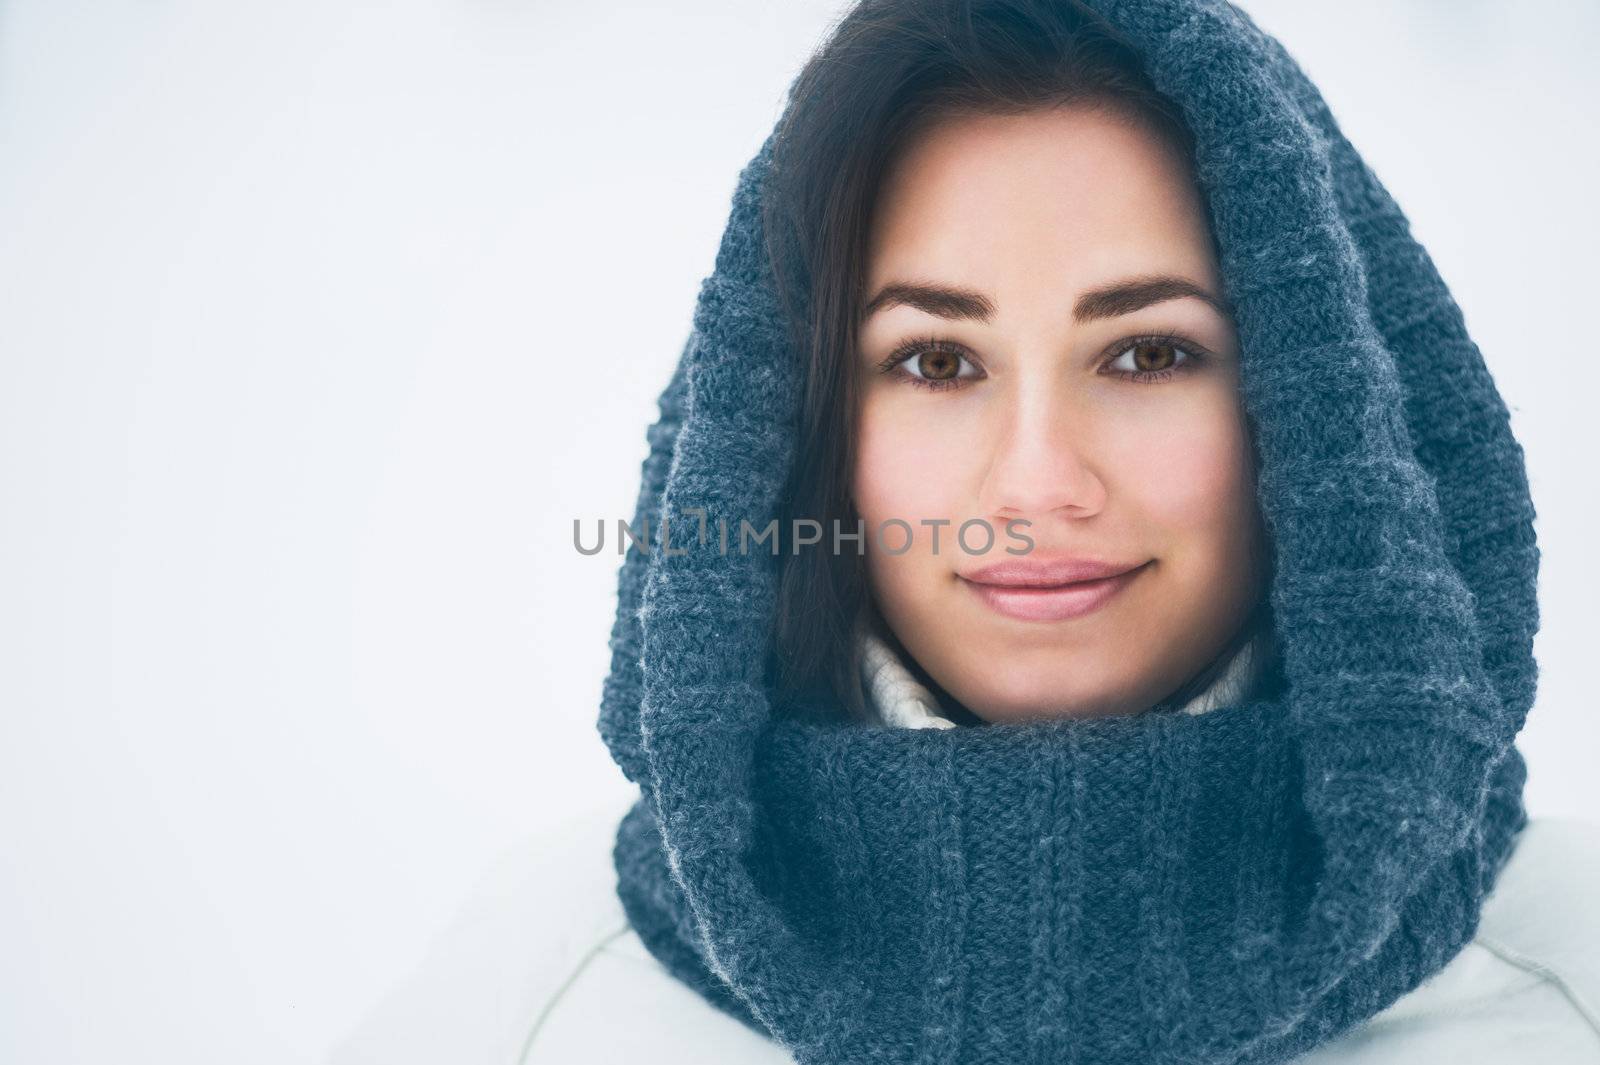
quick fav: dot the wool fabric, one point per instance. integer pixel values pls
(1235, 886)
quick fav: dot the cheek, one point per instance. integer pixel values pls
(1192, 480)
(908, 465)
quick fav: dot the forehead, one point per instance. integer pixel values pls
(1063, 196)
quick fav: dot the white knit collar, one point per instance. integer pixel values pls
(899, 699)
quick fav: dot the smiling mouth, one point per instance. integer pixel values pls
(1052, 602)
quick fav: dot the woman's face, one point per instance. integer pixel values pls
(1052, 279)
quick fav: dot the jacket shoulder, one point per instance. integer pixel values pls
(532, 917)
(1541, 916)
(1524, 988)
(616, 1002)
(540, 967)
(621, 1004)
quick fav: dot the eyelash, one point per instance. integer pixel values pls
(910, 349)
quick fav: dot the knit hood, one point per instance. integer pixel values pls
(1234, 886)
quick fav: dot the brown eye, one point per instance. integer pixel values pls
(932, 363)
(1154, 355)
(938, 365)
(1154, 358)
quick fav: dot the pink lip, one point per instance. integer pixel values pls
(1050, 591)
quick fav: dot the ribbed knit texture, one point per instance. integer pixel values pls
(1235, 886)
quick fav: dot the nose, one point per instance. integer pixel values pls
(1044, 461)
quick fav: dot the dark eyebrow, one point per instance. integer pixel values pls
(941, 301)
(1125, 297)
(1108, 301)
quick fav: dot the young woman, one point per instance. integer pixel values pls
(1043, 343)
(1150, 692)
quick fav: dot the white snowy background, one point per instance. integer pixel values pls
(321, 321)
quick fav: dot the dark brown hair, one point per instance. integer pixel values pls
(888, 70)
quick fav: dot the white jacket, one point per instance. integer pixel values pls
(541, 968)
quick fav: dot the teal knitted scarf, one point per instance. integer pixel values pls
(1235, 886)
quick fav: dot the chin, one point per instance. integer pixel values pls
(1044, 703)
